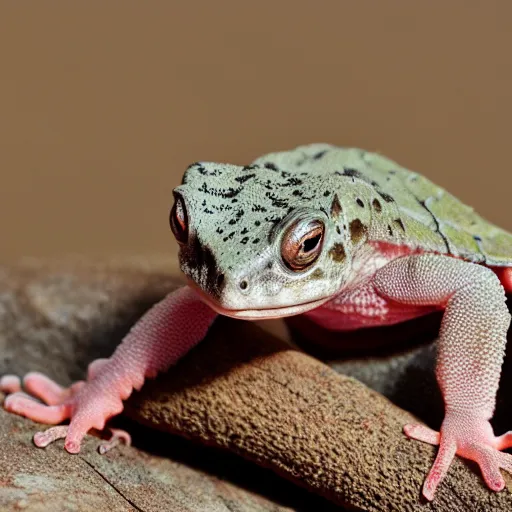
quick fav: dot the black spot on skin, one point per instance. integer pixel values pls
(337, 253)
(297, 192)
(256, 240)
(390, 230)
(244, 178)
(244, 240)
(357, 231)
(239, 213)
(257, 223)
(338, 230)
(224, 193)
(220, 231)
(232, 221)
(277, 202)
(249, 167)
(336, 207)
(392, 171)
(319, 155)
(375, 184)
(360, 202)
(244, 231)
(398, 223)
(317, 274)
(326, 193)
(291, 182)
(386, 197)
(271, 166)
(270, 265)
(353, 173)
(477, 238)
(258, 208)
(376, 205)
(225, 239)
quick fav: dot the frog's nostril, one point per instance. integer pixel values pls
(244, 284)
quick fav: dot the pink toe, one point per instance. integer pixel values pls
(43, 439)
(44, 388)
(505, 441)
(118, 436)
(10, 384)
(72, 446)
(422, 433)
(21, 404)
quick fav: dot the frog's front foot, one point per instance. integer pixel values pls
(470, 437)
(86, 405)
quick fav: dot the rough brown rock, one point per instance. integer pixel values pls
(240, 390)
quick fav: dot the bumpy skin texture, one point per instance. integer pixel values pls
(157, 341)
(471, 349)
(346, 237)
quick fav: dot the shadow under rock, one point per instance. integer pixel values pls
(398, 362)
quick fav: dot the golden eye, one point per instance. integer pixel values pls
(302, 244)
(178, 220)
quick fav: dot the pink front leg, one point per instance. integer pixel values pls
(160, 338)
(471, 349)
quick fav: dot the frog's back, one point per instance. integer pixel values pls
(404, 208)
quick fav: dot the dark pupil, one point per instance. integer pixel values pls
(309, 244)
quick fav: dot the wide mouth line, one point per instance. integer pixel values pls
(272, 311)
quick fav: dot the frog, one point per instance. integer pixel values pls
(345, 237)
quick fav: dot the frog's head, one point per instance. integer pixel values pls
(249, 244)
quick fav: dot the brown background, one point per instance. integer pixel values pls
(103, 104)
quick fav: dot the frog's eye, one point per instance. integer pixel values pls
(301, 244)
(179, 220)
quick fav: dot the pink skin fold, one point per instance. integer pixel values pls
(470, 354)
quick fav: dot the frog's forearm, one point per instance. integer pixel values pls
(166, 332)
(160, 338)
(472, 340)
(471, 349)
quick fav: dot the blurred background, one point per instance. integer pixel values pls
(103, 104)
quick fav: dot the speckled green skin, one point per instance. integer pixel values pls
(238, 214)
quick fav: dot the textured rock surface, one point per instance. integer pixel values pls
(126, 479)
(240, 390)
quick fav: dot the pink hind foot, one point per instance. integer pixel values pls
(470, 438)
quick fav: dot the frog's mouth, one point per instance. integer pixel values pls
(260, 313)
